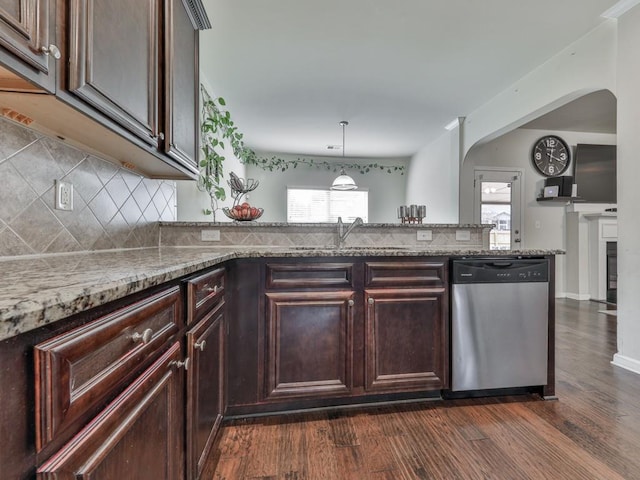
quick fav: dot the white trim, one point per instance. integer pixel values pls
(627, 363)
(578, 296)
(452, 124)
(620, 8)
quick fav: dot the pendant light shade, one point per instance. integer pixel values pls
(343, 181)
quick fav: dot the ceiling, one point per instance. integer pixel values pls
(595, 112)
(291, 70)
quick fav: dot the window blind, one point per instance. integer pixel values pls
(318, 205)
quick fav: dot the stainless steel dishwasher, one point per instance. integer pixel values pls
(499, 328)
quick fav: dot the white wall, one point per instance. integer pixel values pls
(386, 190)
(628, 93)
(191, 202)
(433, 178)
(543, 223)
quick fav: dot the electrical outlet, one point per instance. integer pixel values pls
(64, 195)
(424, 235)
(210, 235)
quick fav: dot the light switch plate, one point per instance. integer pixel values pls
(210, 235)
(424, 235)
(463, 235)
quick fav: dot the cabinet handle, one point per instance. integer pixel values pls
(179, 364)
(371, 301)
(52, 50)
(144, 336)
(200, 345)
(351, 303)
(213, 289)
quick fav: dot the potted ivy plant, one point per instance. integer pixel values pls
(214, 130)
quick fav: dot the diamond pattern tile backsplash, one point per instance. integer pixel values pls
(112, 207)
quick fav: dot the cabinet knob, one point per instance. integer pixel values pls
(52, 50)
(200, 345)
(145, 336)
(351, 303)
(371, 301)
(179, 364)
(160, 136)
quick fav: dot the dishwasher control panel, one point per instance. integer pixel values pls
(502, 270)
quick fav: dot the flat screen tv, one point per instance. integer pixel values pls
(595, 172)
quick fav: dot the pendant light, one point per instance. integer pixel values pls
(343, 181)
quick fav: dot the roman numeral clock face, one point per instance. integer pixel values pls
(551, 156)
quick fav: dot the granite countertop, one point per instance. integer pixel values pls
(324, 225)
(38, 290)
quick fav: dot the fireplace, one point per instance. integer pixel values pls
(612, 272)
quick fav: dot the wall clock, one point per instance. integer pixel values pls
(551, 156)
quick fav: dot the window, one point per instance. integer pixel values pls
(496, 209)
(321, 205)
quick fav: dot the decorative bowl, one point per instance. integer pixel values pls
(244, 215)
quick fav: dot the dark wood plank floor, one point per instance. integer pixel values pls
(591, 432)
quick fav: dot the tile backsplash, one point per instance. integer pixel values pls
(112, 207)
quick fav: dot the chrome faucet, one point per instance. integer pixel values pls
(342, 233)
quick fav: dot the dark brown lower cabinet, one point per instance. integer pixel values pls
(205, 387)
(405, 342)
(309, 337)
(337, 331)
(138, 435)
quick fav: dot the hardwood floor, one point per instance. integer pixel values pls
(591, 432)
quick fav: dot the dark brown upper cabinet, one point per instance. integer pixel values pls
(181, 86)
(27, 33)
(126, 84)
(114, 61)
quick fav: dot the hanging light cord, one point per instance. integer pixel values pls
(344, 123)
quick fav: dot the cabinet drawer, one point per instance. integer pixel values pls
(309, 275)
(203, 293)
(82, 368)
(406, 274)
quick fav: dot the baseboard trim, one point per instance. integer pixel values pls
(578, 296)
(627, 363)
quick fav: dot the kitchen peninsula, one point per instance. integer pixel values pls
(107, 347)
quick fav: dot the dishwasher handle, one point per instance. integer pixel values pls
(501, 264)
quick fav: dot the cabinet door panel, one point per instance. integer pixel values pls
(137, 436)
(113, 62)
(182, 94)
(309, 344)
(405, 340)
(25, 27)
(205, 387)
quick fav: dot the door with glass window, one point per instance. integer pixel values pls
(498, 201)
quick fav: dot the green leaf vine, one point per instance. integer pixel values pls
(219, 130)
